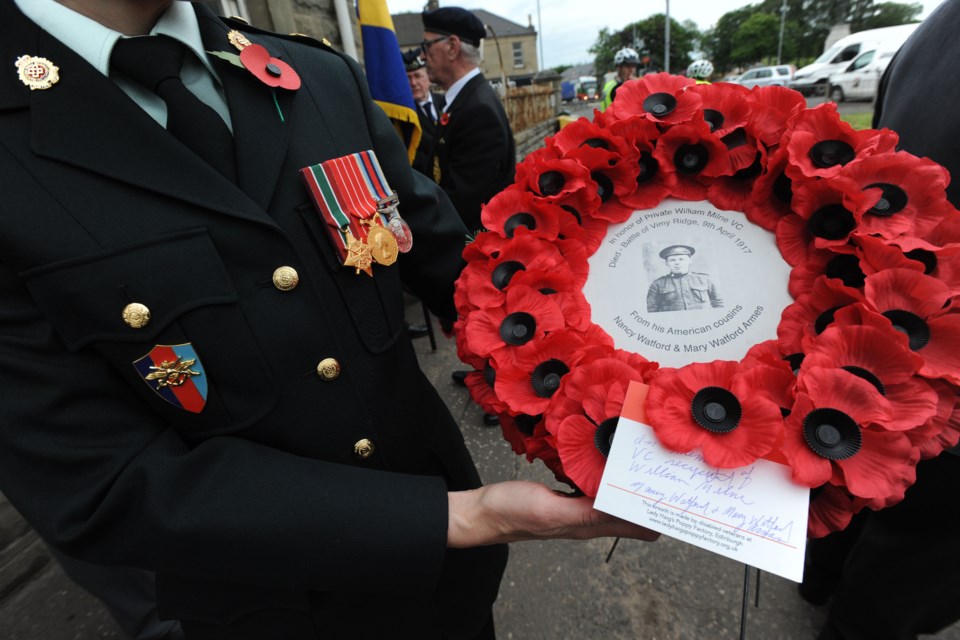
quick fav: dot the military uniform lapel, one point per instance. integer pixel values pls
(261, 126)
(85, 120)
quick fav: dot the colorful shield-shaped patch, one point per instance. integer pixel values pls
(175, 373)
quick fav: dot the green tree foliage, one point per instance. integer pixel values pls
(750, 35)
(683, 40)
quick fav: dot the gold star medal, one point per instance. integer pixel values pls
(358, 255)
(37, 72)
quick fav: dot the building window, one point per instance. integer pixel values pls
(518, 55)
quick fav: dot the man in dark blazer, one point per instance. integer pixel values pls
(197, 381)
(474, 155)
(893, 574)
(429, 107)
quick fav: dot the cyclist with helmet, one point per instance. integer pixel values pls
(626, 61)
(700, 70)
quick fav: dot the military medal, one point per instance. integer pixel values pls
(37, 73)
(175, 373)
(359, 210)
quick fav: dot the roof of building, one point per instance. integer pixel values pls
(409, 27)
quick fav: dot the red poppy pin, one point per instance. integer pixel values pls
(271, 71)
(444, 119)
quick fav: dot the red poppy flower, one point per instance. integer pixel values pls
(820, 144)
(772, 194)
(725, 107)
(653, 184)
(659, 97)
(480, 384)
(695, 156)
(909, 194)
(614, 178)
(841, 262)
(814, 312)
(890, 370)
(831, 509)
(271, 71)
(709, 405)
(484, 280)
(735, 192)
(514, 207)
(771, 110)
(583, 133)
(526, 316)
(917, 305)
(941, 431)
(559, 285)
(827, 436)
(832, 209)
(585, 415)
(553, 178)
(529, 382)
(444, 119)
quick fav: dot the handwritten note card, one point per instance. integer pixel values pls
(752, 514)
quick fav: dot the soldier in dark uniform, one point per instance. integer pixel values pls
(198, 379)
(681, 289)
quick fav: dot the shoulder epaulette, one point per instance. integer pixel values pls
(241, 25)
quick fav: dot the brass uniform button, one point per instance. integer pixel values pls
(328, 369)
(136, 315)
(363, 449)
(286, 278)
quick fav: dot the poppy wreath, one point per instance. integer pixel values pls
(860, 383)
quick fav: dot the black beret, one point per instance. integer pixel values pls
(677, 250)
(454, 21)
(411, 60)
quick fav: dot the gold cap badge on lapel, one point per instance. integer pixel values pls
(37, 73)
(238, 40)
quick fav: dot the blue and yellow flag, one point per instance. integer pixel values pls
(386, 74)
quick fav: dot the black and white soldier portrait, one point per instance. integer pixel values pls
(682, 289)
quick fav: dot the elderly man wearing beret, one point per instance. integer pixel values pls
(681, 289)
(474, 155)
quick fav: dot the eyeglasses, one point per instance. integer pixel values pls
(426, 44)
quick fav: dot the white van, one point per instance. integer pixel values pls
(815, 77)
(860, 79)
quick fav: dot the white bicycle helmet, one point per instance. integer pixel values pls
(626, 56)
(700, 69)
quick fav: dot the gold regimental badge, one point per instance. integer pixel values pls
(37, 73)
(173, 373)
(238, 40)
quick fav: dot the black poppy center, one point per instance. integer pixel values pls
(648, 168)
(831, 434)
(526, 423)
(545, 378)
(691, 159)
(603, 436)
(916, 329)
(846, 267)
(893, 199)
(829, 153)
(503, 272)
(832, 222)
(751, 172)
(867, 375)
(551, 183)
(927, 258)
(796, 359)
(573, 212)
(521, 219)
(518, 328)
(825, 319)
(660, 104)
(489, 375)
(604, 185)
(596, 143)
(714, 118)
(274, 70)
(716, 409)
(783, 188)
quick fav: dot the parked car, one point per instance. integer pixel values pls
(814, 78)
(779, 75)
(859, 81)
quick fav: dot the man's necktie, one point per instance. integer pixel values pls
(427, 108)
(155, 62)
